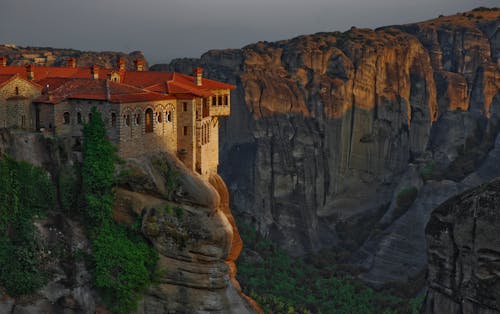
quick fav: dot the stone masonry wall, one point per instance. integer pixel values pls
(186, 131)
(11, 118)
(133, 135)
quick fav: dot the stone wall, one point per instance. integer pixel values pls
(17, 90)
(133, 136)
(186, 132)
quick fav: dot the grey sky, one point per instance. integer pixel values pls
(166, 29)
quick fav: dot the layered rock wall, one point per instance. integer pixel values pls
(325, 127)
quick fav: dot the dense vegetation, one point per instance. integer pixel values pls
(281, 284)
(123, 261)
(25, 192)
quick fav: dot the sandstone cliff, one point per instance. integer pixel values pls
(327, 129)
(464, 253)
(186, 219)
(58, 57)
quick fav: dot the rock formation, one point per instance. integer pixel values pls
(58, 57)
(464, 253)
(186, 218)
(327, 129)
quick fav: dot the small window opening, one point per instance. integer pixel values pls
(66, 118)
(79, 118)
(113, 120)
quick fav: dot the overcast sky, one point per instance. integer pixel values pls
(166, 29)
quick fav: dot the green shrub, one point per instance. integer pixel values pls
(406, 196)
(25, 192)
(179, 212)
(123, 267)
(282, 284)
(69, 188)
(427, 172)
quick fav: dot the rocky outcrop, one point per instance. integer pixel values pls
(325, 128)
(58, 57)
(464, 253)
(194, 232)
(186, 218)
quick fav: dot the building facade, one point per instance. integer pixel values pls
(143, 111)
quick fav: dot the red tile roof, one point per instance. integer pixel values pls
(5, 78)
(68, 82)
(98, 90)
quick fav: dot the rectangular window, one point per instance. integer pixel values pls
(220, 101)
(185, 130)
(184, 106)
(226, 100)
(214, 100)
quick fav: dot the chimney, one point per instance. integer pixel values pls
(121, 64)
(139, 65)
(198, 74)
(30, 74)
(94, 70)
(3, 61)
(71, 63)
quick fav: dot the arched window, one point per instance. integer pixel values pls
(160, 118)
(169, 116)
(138, 119)
(66, 118)
(17, 90)
(126, 120)
(79, 118)
(149, 120)
(113, 120)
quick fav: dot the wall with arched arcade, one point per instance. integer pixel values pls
(147, 127)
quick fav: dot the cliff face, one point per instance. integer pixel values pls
(464, 253)
(186, 219)
(327, 129)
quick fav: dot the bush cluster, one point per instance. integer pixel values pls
(25, 192)
(282, 284)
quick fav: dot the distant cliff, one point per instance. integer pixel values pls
(464, 253)
(45, 56)
(349, 140)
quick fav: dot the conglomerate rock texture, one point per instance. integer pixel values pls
(326, 130)
(464, 253)
(186, 218)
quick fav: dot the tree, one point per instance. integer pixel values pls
(99, 157)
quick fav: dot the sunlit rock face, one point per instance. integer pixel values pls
(464, 248)
(194, 232)
(324, 128)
